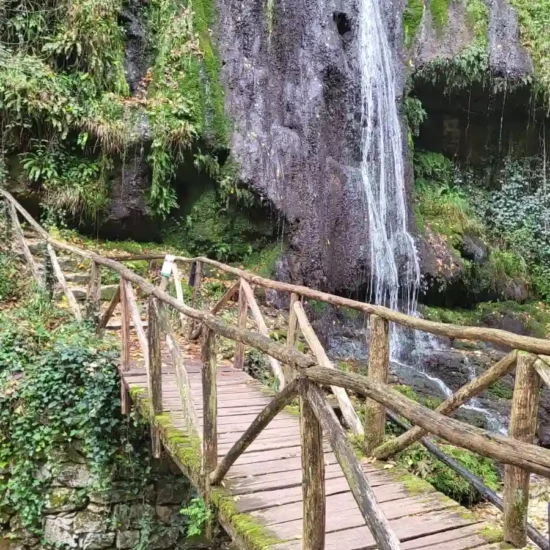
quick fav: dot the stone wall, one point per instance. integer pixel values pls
(126, 514)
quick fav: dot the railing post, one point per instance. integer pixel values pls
(94, 294)
(210, 414)
(24, 247)
(195, 281)
(313, 475)
(291, 336)
(379, 364)
(238, 361)
(8, 227)
(523, 425)
(125, 337)
(48, 272)
(155, 370)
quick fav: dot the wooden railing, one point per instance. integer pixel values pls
(301, 376)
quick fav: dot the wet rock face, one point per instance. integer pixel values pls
(135, 59)
(508, 57)
(292, 91)
(127, 214)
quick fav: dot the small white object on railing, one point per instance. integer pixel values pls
(167, 266)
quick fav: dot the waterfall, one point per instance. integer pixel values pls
(394, 264)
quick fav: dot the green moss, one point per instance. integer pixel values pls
(478, 14)
(493, 534)
(263, 262)
(204, 19)
(534, 18)
(412, 18)
(501, 390)
(413, 484)
(440, 13)
(246, 527)
(270, 15)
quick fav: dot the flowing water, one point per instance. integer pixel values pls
(394, 263)
(395, 270)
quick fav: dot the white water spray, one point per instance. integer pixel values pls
(394, 261)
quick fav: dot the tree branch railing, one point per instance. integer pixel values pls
(517, 452)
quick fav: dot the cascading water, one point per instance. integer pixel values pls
(394, 263)
(395, 269)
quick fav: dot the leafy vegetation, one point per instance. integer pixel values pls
(440, 13)
(220, 229)
(64, 100)
(420, 462)
(412, 18)
(534, 19)
(441, 204)
(58, 384)
(198, 515)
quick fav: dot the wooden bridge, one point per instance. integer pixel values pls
(283, 479)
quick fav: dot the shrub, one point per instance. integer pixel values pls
(421, 463)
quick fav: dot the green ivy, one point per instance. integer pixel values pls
(59, 384)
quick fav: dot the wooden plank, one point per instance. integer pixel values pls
(379, 370)
(196, 275)
(523, 427)
(125, 338)
(344, 502)
(462, 538)
(342, 514)
(350, 416)
(259, 423)
(272, 466)
(278, 480)
(179, 293)
(543, 369)
(136, 318)
(262, 327)
(279, 497)
(408, 528)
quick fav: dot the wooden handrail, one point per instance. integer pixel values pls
(506, 450)
(451, 404)
(518, 453)
(275, 406)
(262, 327)
(494, 336)
(346, 407)
(358, 482)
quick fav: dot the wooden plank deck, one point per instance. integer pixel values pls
(265, 482)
